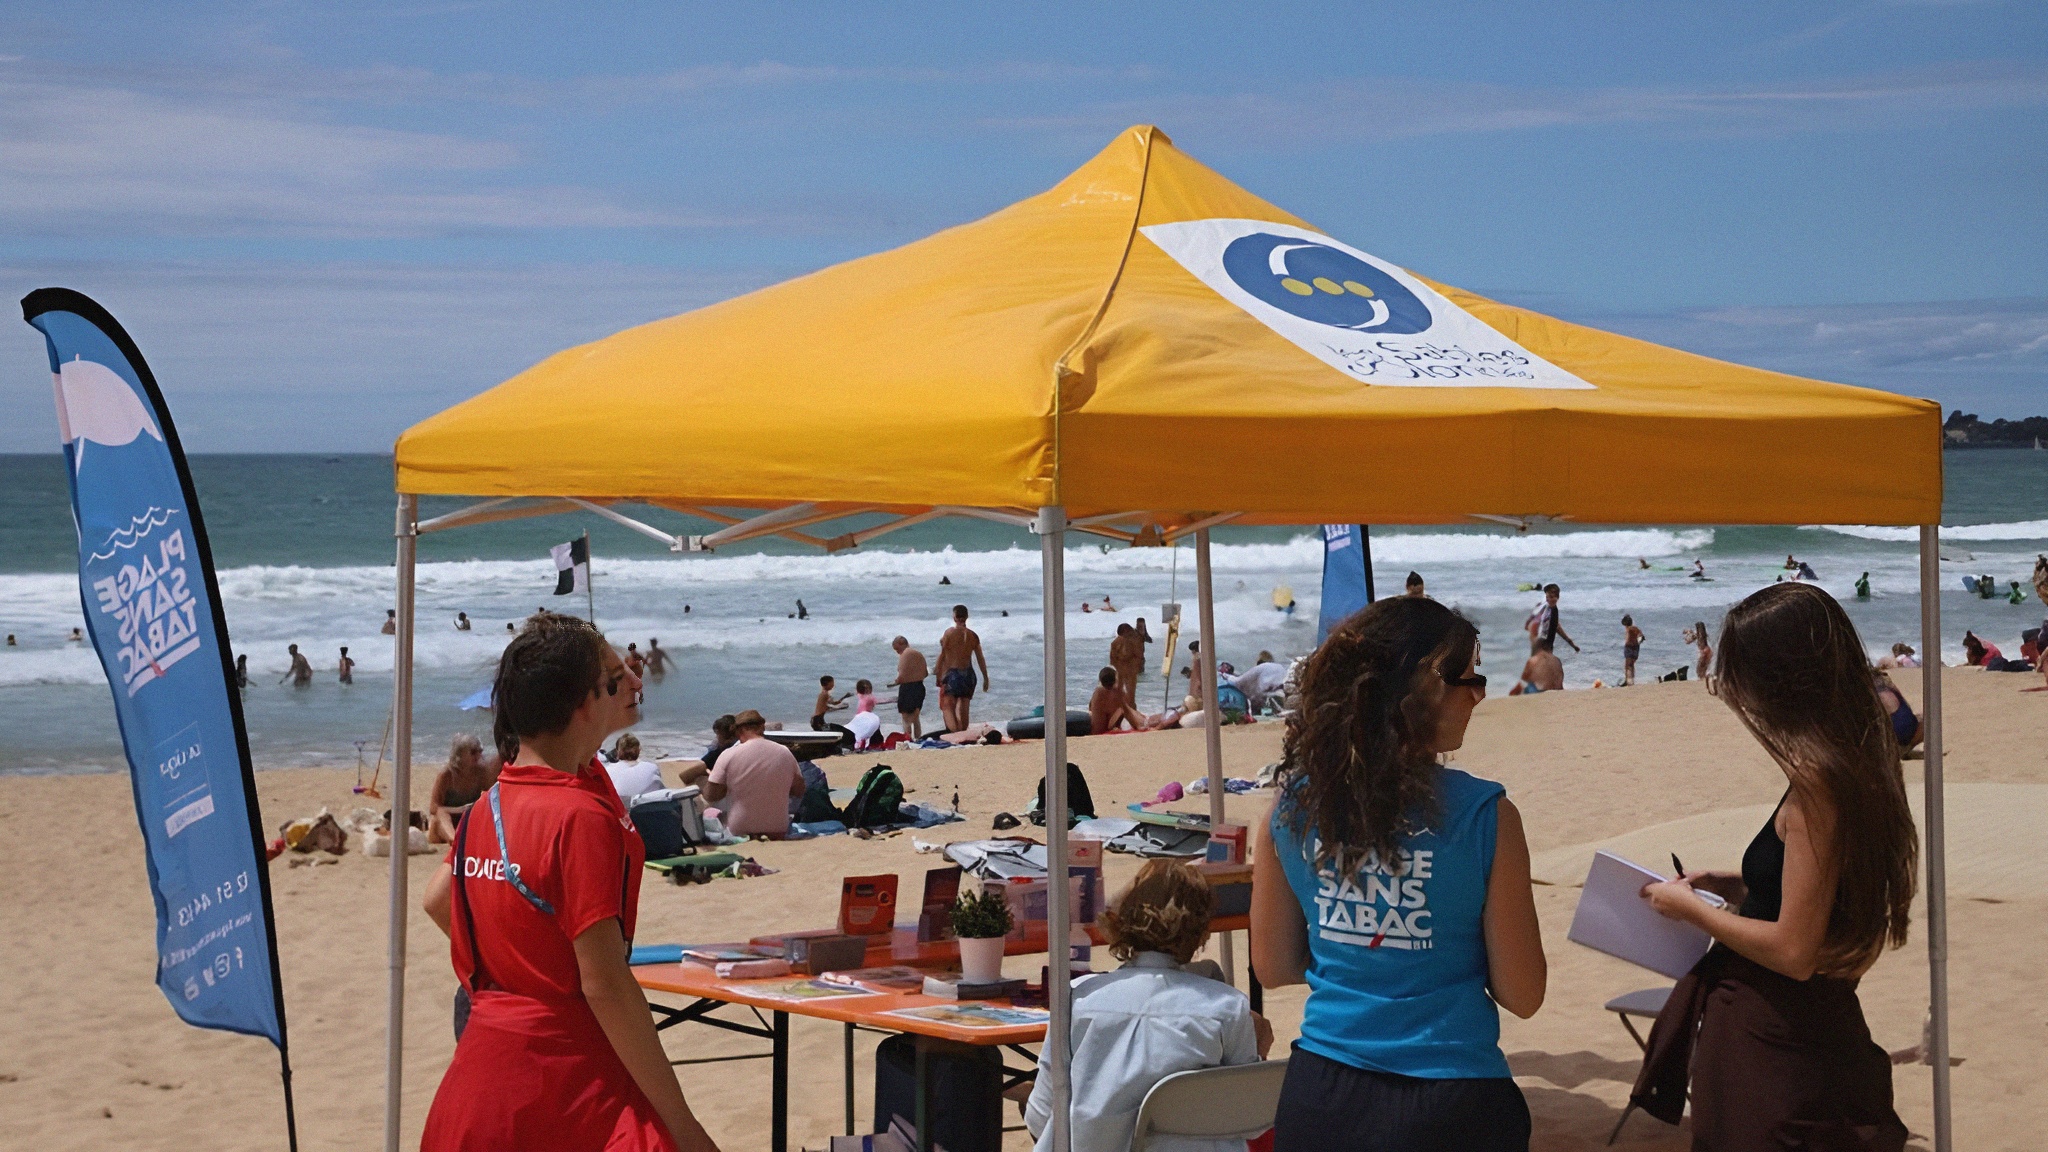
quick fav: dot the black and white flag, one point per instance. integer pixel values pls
(572, 566)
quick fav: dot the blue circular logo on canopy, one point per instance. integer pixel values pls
(1323, 284)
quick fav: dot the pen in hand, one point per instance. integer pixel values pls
(1677, 868)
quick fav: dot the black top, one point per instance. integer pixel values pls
(1763, 870)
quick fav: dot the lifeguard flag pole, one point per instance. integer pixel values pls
(153, 610)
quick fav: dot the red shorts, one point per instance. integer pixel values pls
(539, 1075)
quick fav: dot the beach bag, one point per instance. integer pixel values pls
(816, 805)
(877, 801)
(965, 1097)
(1231, 699)
(1080, 802)
(661, 827)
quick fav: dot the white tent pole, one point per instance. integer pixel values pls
(1934, 843)
(1212, 717)
(1052, 539)
(401, 813)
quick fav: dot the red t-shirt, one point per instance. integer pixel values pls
(575, 847)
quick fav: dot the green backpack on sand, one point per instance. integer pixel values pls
(877, 801)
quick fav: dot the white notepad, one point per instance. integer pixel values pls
(1613, 917)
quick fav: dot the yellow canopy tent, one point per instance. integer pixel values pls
(1060, 363)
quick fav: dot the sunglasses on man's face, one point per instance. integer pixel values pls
(611, 686)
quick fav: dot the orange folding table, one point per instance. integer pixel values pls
(874, 1012)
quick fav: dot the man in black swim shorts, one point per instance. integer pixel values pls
(909, 684)
(959, 651)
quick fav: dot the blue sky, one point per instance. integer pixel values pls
(323, 222)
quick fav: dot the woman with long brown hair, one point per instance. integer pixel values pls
(1768, 1022)
(1398, 890)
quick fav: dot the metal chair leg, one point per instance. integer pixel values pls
(1625, 1112)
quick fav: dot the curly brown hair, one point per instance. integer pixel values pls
(1166, 909)
(1356, 764)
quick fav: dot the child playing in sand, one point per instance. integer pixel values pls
(1631, 647)
(1150, 1018)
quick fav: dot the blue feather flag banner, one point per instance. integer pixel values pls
(153, 610)
(1347, 576)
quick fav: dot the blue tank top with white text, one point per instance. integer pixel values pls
(1397, 956)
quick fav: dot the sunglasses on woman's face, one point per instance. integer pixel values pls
(1473, 681)
(611, 686)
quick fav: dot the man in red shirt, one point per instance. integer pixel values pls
(539, 897)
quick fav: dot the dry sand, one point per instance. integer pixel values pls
(92, 1057)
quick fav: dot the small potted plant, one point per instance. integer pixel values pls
(981, 921)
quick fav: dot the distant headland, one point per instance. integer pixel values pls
(1964, 430)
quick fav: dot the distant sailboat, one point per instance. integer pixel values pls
(2037, 443)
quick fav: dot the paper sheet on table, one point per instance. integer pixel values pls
(1614, 918)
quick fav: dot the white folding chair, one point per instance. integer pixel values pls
(1234, 1102)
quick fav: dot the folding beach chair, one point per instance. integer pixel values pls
(1646, 1003)
(1234, 1102)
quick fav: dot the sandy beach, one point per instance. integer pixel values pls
(94, 1058)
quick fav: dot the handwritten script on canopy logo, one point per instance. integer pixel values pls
(1360, 315)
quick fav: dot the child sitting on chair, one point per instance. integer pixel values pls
(1148, 1019)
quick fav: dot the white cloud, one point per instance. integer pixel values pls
(336, 357)
(1989, 356)
(1384, 108)
(83, 156)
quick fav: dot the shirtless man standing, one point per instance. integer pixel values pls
(301, 673)
(909, 684)
(657, 659)
(1127, 658)
(959, 650)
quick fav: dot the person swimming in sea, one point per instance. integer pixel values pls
(1863, 586)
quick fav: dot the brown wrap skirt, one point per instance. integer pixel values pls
(1775, 1063)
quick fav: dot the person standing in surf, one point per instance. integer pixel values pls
(959, 651)
(909, 684)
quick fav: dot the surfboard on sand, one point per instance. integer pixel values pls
(1166, 819)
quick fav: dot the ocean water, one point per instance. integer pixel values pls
(305, 553)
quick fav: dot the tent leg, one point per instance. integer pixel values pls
(401, 813)
(1934, 843)
(1052, 536)
(1212, 726)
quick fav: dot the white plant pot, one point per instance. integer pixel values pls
(981, 961)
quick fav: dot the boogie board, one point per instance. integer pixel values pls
(1168, 819)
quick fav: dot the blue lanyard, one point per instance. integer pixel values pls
(505, 860)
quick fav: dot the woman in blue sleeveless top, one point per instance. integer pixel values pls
(1398, 889)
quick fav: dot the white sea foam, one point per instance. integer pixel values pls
(2018, 530)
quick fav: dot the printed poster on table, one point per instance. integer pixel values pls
(153, 613)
